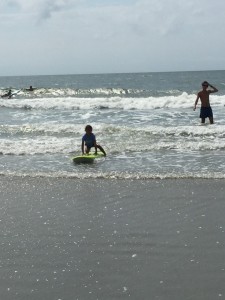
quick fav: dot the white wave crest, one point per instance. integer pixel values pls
(120, 103)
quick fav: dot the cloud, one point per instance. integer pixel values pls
(42, 9)
(46, 8)
(10, 5)
(115, 35)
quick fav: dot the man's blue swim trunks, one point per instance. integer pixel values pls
(206, 112)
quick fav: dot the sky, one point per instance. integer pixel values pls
(49, 37)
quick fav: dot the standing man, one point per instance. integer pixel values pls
(206, 110)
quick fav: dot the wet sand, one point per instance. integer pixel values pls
(112, 239)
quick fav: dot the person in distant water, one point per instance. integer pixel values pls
(206, 110)
(30, 89)
(89, 141)
(9, 94)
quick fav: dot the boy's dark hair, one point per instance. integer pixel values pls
(88, 127)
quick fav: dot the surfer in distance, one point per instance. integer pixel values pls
(9, 94)
(89, 141)
(30, 89)
(203, 95)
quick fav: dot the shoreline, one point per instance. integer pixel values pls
(111, 176)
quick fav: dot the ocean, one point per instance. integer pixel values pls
(145, 222)
(144, 121)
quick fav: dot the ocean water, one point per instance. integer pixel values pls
(144, 121)
(64, 239)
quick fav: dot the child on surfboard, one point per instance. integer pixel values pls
(89, 141)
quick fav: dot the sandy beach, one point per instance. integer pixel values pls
(112, 239)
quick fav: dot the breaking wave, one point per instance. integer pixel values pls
(117, 102)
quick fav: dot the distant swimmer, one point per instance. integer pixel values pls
(206, 110)
(30, 89)
(9, 94)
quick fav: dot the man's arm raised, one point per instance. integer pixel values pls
(214, 89)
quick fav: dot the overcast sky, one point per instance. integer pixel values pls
(41, 37)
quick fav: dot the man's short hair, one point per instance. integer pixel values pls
(205, 83)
